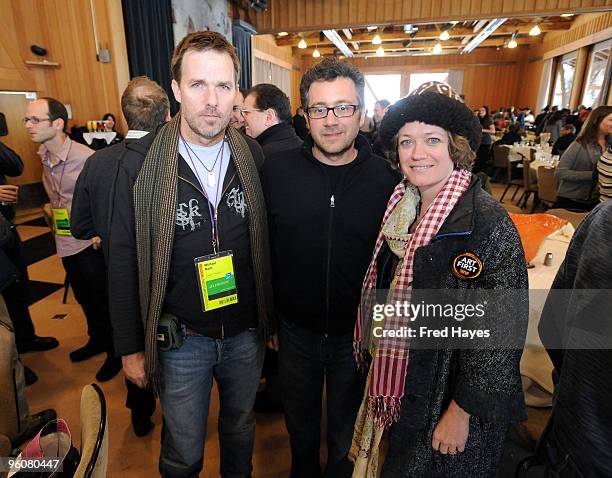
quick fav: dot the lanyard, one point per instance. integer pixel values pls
(58, 191)
(212, 211)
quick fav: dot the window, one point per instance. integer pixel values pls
(417, 79)
(564, 78)
(596, 88)
(381, 87)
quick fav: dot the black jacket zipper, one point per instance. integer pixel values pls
(217, 244)
(332, 205)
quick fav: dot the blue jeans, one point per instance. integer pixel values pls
(186, 381)
(306, 360)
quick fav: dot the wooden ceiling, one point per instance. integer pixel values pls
(421, 38)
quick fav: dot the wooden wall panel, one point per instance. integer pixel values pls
(490, 77)
(323, 14)
(586, 29)
(19, 140)
(531, 73)
(264, 46)
(65, 29)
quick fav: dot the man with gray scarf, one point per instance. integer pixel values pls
(189, 264)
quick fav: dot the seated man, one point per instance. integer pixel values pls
(568, 135)
(512, 136)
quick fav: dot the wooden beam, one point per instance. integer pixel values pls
(457, 32)
(323, 14)
(421, 46)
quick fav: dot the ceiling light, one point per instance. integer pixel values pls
(444, 35)
(512, 43)
(372, 28)
(376, 40)
(282, 34)
(302, 44)
(535, 31)
(316, 53)
(380, 51)
(567, 15)
(437, 49)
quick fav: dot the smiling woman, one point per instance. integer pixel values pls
(445, 401)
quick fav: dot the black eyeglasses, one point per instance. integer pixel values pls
(35, 120)
(340, 111)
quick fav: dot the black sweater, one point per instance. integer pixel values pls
(322, 237)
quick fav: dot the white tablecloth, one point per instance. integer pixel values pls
(536, 367)
(106, 136)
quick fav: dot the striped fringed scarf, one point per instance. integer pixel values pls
(155, 199)
(388, 369)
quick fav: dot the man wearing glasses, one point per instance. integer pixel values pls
(267, 116)
(325, 204)
(62, 160)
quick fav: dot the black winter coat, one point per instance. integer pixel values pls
(10, 165)
(486, 383)
(278, 138)
(94, 192)
(576, 329)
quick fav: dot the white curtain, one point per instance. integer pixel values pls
(267, 72)
(544, 85)
(455, 80)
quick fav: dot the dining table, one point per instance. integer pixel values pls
(536, 367)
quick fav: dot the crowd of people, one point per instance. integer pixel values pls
(235, 243)
(582, 139)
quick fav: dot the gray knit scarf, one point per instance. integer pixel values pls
(155, 199)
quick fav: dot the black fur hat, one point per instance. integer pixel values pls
(433, 103)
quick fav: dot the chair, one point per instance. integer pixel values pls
(547, 187)
(501, 155)
(575, 218)
(530, 186)
(94, 434)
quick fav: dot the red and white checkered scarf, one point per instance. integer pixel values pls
(388, 369)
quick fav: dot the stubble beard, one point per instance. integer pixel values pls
(336, 153)
(204, 130)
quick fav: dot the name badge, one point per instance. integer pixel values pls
(217, 281)
(61, 221)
